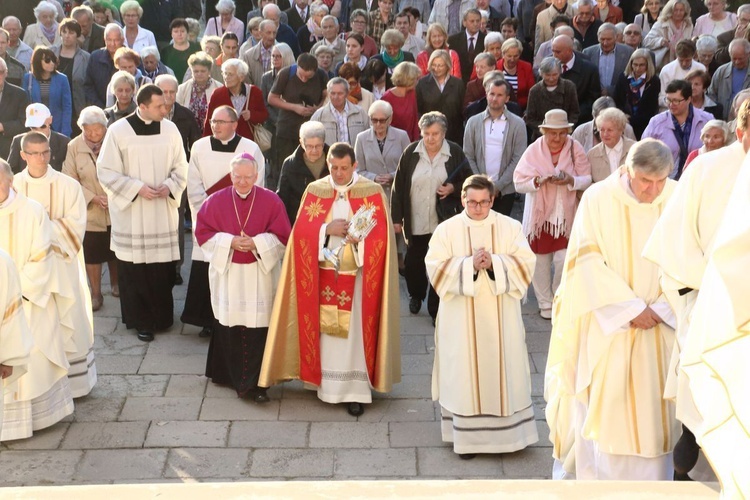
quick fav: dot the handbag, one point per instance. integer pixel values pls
(450, 205)
(261, 135)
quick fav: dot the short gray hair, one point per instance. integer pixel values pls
(432, 118)
(312, 130)
(317, 6)
(707, 43)
(121, 77)
(6, 170)
(92, 115)
(166, 78)
(740, 41)
(650, 156)
(241, 159)
(269, 7)
(324, 49)
(337, 80)
(44, 6)
(381, 106)
(131, 5)
(493, 37)
(612, 115)
(201, 59)
(82, 9)
(225, 6)
(564, 30)
(548, 65)
(238, 64)
(330, 17)
(720, 124)
(485, 56)
(586, 3)
(602, 103)
(150, 50)
(392, 37)
(606, 27)
(743, 8)
(114, 27)
(265, 22)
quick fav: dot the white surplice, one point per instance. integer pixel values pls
(63, 200)
(481, 372)
(605, 379)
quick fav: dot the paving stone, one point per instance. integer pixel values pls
(118, 364)
(186, 386)
(417, 364)
(179, 345)
(540, 360)
(160, 409)
(413, 344)
(411, 386)
(543, 430)
(415, 434)
(165, 363)
(292, 463)
(537, 384)
(296, 389)
(313, 410)
(38, 467)
(119, 343)
(104, 326)
(416, 325)
(538, 341)
(375, 463)
(129, 385)
(172, 434)
(535, 323)
(223, 391)
(119, 465)
(443, 461)
(97, 409)
(202, 463)
(45, 439)
(103, 435)
(398, 410)
(531, 462)
(238, 409)
(348, 435)
(268, 434)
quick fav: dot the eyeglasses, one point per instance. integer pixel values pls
(275, 56)
(377, 121)
(475, 204)
(38, 153)
(222, 122)
(360, 21)
(676, 102)
(48, 59)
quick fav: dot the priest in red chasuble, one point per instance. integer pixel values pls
(337, 330)
(242, 230)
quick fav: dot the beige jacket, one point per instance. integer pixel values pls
(80, 164)
(600, 168)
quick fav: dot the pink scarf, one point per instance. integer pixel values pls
(537, 161)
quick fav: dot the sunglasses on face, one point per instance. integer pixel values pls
(47, 59)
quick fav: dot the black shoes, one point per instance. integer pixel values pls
(414, 305)
(467, 456)
(258, 395)
(206, 332)
(145, 336)
(178, 279)
(355, 409)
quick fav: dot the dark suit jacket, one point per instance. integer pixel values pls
(622, 56)
(459, 43)
(188, 127)
(722, 53)
(647, 107)
(591, 38)
(58, 145)
(12, 115)
(288, 36)
(362, 4)
(294, 20)
(96, 41)
(98, 74)
(450, 102)
(293, 180)
(585, 76)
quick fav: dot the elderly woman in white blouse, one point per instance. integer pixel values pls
(717, 21)
(136, 37)
(608, 155)
(225, 21)
(587, 134)
(44, 32)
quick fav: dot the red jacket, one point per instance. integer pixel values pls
(525, 81)
(258, 111)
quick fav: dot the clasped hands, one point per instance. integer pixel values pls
(482, 259)
(340, 228)
(149, 193)
(646, 320)
(243, 244)
(563, 179)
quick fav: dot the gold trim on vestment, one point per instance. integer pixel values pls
(12, 309)
(474, 362)
(662, 381)
(631, 392)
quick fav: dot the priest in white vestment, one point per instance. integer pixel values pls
(208, 172)
(337, 329)
(42, 396)
(15, 338)
(717, 350)
(612, 332)
(480, 264)
(244, 256)
(681, 245)
(63, 200)
(143, 169)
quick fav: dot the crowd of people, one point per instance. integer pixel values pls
(380, 139)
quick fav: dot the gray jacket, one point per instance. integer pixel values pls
(622, 56)
(721, 86)
(370, 161)
(513, 147)
(356, 121)
(80, 63)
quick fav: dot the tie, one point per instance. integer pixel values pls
(471, 45)
(565, 68)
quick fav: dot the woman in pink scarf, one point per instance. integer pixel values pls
(550, 173)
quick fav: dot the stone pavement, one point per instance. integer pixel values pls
(154, 417)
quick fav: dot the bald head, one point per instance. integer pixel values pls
(562, 48)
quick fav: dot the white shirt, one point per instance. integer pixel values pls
(469, 37)
(428, 175)
(494, 138)
(673, 71)
(614, 155)
(568, 64)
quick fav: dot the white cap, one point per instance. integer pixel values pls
(36, 114)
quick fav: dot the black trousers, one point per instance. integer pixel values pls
(504, 204)
(415, 272)
(235, 355)
(198, 310)
(146, 295)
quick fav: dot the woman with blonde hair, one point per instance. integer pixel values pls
(637, 91)
(437, 39)
(674, 24)
(649, 15)
(136, 37)
(403, 99)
